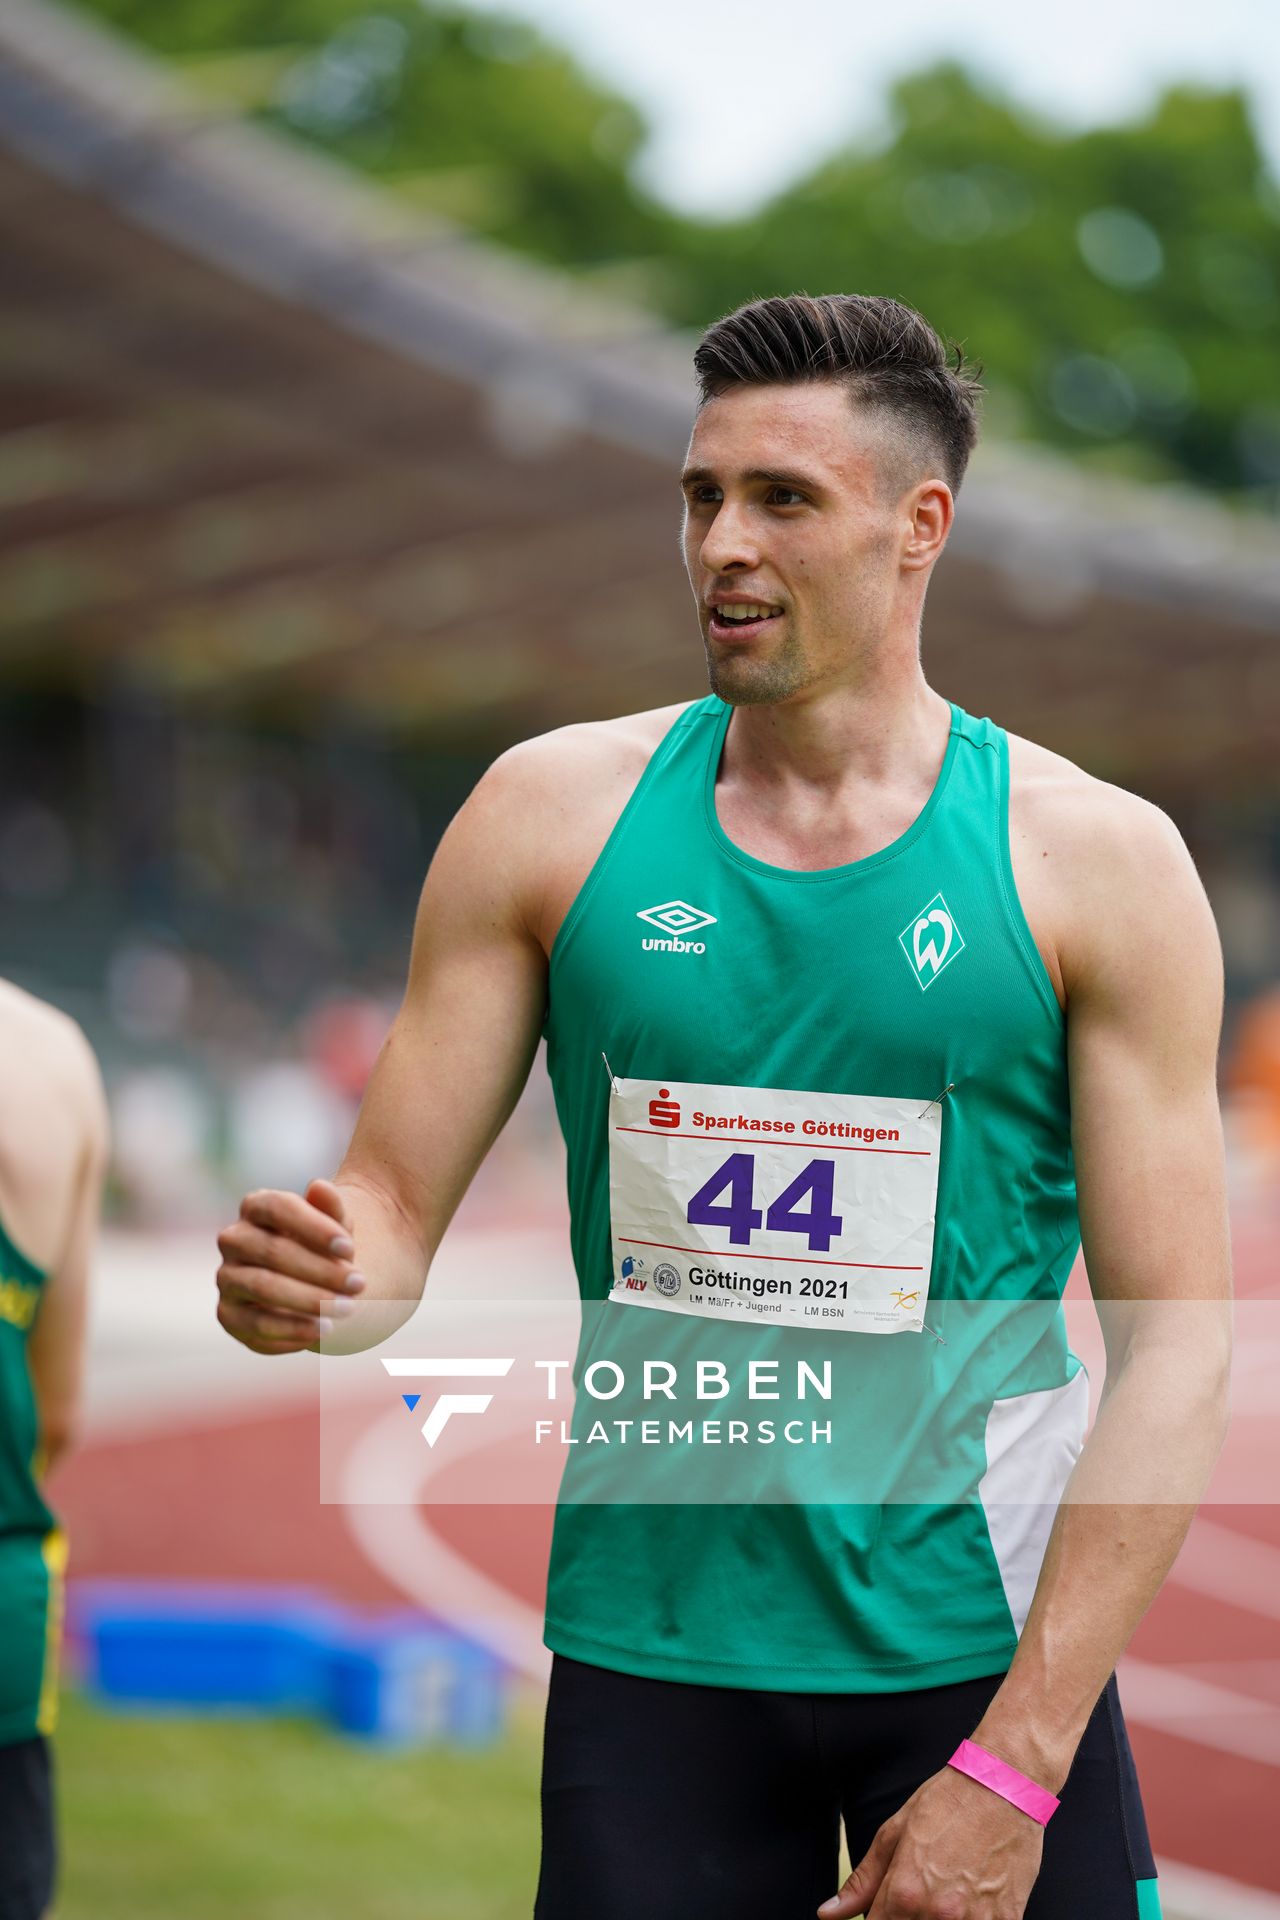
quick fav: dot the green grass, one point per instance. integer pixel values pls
(195, 1819)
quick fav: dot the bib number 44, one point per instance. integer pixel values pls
(737, 1212)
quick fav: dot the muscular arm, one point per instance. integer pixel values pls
(443, 1086)
(1144, 984)
(1143, 978)
(458, 1054)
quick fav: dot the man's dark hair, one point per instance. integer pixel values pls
(886, 353)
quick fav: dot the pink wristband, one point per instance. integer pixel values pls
(1004, 1780)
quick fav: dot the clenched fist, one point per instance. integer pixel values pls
(287, 1269)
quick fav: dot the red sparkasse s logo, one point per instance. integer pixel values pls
(664, 1111)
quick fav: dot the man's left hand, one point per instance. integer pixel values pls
(955, 1851)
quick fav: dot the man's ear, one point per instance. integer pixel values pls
(931, 509)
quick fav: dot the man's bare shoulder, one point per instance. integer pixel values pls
(1078, 812)
(44, 1046)
(586, 750)
(520, 847)
(1090, 854)
(566, 782)
(44, 1034)
(551, 802)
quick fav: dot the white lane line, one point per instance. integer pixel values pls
(396, 1533)
(380, 1487)
(1171, 1701)
(1226, 1565)
(1188, 1893)
(1259, 1679)
(399, 1540)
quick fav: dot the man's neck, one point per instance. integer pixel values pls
(841, 738)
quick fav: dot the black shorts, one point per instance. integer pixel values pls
(26, 1829)
(667, 1801)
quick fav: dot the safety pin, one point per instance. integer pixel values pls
(609, 1070)
(925, 1324)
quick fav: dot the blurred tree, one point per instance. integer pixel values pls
(1121, 285)
(476, 115)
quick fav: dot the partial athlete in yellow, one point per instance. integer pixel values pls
(54, 1140)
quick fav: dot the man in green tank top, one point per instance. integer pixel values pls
(859, 1014)
(53, 1150)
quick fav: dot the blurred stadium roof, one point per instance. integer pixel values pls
(272, 441)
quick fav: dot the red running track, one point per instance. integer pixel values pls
(130, 1510)
(237, 1498)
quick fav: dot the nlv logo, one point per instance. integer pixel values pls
(467, 1368)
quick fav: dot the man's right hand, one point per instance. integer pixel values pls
(287, 1274)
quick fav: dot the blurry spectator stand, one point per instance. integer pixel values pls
(313, 502)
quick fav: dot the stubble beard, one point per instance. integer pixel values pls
(744, 680)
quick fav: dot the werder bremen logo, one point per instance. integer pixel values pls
(931, 940)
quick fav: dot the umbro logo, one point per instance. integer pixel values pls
(676, 918)
(931, 940)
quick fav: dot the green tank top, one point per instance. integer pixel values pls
(32, 1546)
(685, 959)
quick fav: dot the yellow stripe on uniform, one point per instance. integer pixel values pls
(53, 1549)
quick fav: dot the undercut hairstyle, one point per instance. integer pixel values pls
(885, 353)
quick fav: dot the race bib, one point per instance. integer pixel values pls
(753, 1203)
